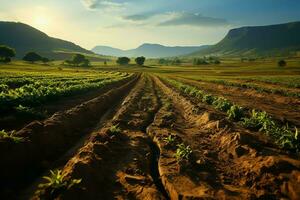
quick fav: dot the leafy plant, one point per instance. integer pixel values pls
(222, 104)
(57, 182)
(183, 152)
(207, 98)
(115, 129)
(170, 139)
(29, 112)
(235, 112)
(11, 136)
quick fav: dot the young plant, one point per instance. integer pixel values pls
(235, 112)
(57, 182)
(115, 129)
(11, 136)
(222, 104)
(169, 140)
(183, 152)
(209, 99)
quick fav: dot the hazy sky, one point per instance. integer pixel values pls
(129, 23)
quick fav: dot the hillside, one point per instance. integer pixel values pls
(148, 50)
(282, 39)
(24, 38)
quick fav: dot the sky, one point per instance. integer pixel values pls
(127, 24)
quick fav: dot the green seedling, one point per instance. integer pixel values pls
(115, 129)
(235, 112)
(57, 182)
(183, 152)
(170, 139)
(11, 136)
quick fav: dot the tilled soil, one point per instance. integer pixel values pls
(285, 109)
(130, 156)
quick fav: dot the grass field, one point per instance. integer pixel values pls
(157, 132)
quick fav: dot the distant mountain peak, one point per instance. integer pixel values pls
(25, 38)
(148, 50)
(271, 40)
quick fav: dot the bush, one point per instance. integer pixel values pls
(123, 61)
(32, 57)
(140, 60)
(6, 53)
(282, 63)
(78, 60)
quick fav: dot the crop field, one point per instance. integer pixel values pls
(153, 132)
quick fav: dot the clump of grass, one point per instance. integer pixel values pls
(11, 136)
(29, 112)
(183, 152)
(115, 129)
(169, 140)
(56, 183)
(235, 112)
(222, 104)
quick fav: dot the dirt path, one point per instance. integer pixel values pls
(46, 141)
(228, 162)
(281, 108)
(13, 121)
(118, 164)
(134, 154)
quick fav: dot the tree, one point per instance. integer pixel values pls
(32, 57)
(140, 60)
(45, 60)
(123, 60)
(281, 63)
(6, 53)
(78, 59)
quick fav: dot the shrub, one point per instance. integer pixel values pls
(32, 57)
(6, 53)
(282, 63)
(140, 60)
(123, 61)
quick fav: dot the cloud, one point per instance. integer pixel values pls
(192, 19)
(102, 4)
(138, 17)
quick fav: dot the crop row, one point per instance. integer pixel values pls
(45, 90)
(284, 136)
(255, 87)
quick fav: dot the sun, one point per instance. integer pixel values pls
(41, 21)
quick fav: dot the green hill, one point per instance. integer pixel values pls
(273, 40)
(24, 38)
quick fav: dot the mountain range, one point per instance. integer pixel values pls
(272, 40)
(148, 50)
(24, 38)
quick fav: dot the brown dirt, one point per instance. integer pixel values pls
(285, 109)
(269, 85)
(227, 162)
(47, 140)
(118, 165)
(12, 121)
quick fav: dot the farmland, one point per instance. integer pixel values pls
(153, 132)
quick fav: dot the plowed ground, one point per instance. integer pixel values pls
(137, 162)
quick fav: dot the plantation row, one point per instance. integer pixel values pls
(291, 81)
(255, 87)
(284, 136)
(33, 91)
